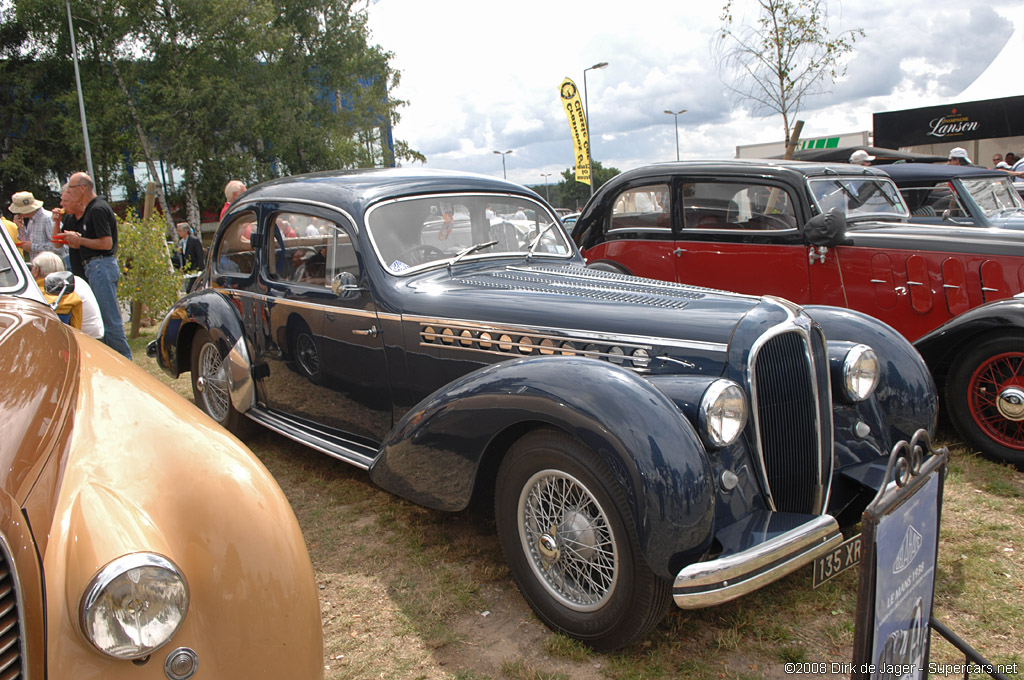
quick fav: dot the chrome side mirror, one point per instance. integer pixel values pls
(59, 283)
(345, 285)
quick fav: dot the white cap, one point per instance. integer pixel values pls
(959, 152)
(860, 156)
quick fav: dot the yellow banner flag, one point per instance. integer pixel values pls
(578, 125)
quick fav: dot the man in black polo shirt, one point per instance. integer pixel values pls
(93, 233)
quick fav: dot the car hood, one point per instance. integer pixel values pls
(38, 359)
(908, 236)
(575, 297)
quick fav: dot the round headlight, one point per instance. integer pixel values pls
(723, 413)
(134, 605)
(860, 372)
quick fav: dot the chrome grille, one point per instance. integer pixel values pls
(10, 621)
(793, 439)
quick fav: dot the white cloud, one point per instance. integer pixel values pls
(480, 79)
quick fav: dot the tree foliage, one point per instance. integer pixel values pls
(147, 276)
(573, 194)
(788, 55)
(217, 89)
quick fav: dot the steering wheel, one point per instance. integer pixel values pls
(422, 253)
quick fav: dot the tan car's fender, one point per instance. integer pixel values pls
(137, 479)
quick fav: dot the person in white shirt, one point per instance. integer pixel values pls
(92, 321)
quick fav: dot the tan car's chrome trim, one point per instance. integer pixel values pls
(716, 581)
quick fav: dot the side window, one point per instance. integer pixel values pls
(309, 250)
(647, 207)
(234, 252)
(736, 205)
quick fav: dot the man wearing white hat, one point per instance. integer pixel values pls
(958, 156)
(34, 225)
(861, 157)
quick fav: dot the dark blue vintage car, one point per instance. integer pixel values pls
(958, 195)
(641, 441)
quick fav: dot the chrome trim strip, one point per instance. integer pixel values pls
(19, 602)
(567, 334)
(347, 311)
(704, 584)
(283, 428)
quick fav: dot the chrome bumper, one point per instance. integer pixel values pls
(704, 584)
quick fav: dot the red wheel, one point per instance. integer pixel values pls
(985, 395)
(996, 398)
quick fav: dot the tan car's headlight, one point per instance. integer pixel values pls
(860, 372)
(723, 413)
(134, 605)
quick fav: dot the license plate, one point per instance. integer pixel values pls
(836, 561)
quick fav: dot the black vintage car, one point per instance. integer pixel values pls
(641, 441)
(958, 195)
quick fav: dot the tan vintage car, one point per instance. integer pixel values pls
(138, 539)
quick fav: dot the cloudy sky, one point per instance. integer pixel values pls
(480, 76)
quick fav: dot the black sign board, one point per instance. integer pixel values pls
(899, 547)
(950, 123)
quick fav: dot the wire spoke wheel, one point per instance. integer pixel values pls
(566, 536)
(570, 541)
(996, 398)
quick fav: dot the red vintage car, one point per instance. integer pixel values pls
(834, 234)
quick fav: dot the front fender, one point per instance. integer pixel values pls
(206, 309)
(905, 398)
(435, 454)
(145, 472)
(941, 346)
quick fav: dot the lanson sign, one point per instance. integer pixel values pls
(987, 119)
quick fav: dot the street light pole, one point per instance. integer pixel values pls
(586, 117)
(675, 114)
(503, 154)
(547, 195)
(81, 101)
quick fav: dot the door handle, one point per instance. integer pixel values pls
(678, 252)
(370, 332)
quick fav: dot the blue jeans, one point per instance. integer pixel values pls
(102, 274)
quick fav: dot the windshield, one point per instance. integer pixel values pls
(411, 234)
(994, 195)
(859, 196)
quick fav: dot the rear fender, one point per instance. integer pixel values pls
(435, 454)
(942, 346)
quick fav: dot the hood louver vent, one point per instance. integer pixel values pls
(589, 283)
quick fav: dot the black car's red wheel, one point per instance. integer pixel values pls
(986, 398)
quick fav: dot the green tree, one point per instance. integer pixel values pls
(574, 194)
(147, 279)
(789, 54)
(247, 89)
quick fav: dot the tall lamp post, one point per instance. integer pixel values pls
(586, 117)
(547, 195)
(675, 114)
(503, 154)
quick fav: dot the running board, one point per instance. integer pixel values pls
(315, 438)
